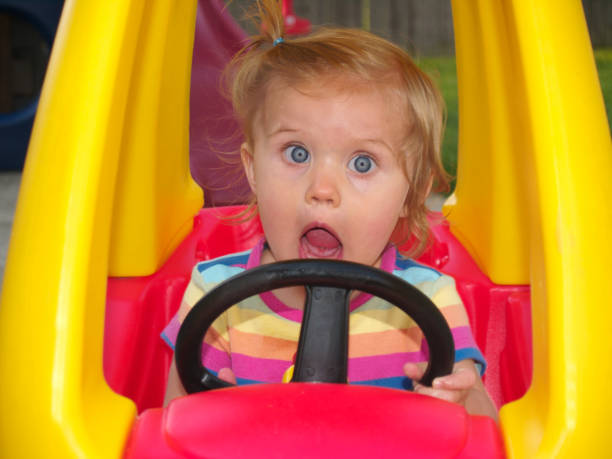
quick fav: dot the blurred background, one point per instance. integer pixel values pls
(423, 27)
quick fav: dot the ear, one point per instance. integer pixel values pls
(247, 163)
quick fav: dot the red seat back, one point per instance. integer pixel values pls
(136, 360)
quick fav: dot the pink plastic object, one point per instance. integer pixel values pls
(312, 420)
(213, 131)
(500, 315)
(294, 25)
(213, 139)
(136, 363)
(136, 360)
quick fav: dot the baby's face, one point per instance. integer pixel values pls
(324, 167)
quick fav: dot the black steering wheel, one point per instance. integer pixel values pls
(323, 342)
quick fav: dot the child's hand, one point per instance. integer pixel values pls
(462, 386)
(453, 387)
(174, 387)
(227, 375)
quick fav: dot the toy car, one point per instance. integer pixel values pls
(109, 223)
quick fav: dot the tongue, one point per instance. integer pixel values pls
(319, 237)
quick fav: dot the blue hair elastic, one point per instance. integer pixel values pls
(277, 41)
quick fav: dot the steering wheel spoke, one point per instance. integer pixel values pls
(323, 346)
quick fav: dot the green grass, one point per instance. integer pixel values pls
(603, 60)
(443, 71)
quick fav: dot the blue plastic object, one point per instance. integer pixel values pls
(15, 127)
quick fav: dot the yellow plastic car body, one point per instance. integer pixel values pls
(108, 157)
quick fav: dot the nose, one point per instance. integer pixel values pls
(324, 187)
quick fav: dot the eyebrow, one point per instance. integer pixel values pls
(281, 130)
(379, 142)
(284, 129)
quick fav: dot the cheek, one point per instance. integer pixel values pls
(272, 169)
(379, 216)
(277, 203)
(384, 221)
(385, 208)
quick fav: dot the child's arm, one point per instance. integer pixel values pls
(174, 388)
(462, 386)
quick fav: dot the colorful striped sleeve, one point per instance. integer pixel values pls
(204, 277)
(441, 289)
(447, 299)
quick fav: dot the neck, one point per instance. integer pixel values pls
(295, 297)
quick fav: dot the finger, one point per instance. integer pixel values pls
(227, 375)
(461, 379)
(447, 395)
(421, 389)
(413, 371)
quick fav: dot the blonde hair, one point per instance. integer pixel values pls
(365, 57)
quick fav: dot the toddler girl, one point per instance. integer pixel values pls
(342, 136)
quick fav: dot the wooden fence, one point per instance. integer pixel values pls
(423, 27)
(599, 18)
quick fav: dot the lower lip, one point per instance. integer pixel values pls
(307, 250)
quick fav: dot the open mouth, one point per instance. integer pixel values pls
(319, 242)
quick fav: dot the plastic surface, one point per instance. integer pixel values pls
(136, 360)
(213, 141)
(499, 314)
(501, 325)
(294, 25)
(312, 420)
(109, 115)
(153, 188)
(531, 205)
(322, 354)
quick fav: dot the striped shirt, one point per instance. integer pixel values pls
(257, 338)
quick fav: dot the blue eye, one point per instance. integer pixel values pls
(297, 154)
(361, 164)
